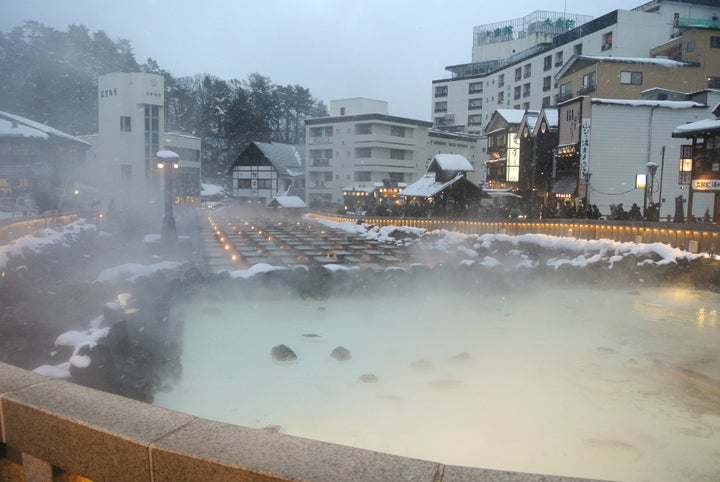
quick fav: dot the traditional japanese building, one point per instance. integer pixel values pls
(264, 170)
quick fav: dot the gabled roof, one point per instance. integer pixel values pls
(285, 158)
(550, 115)
(529, 120)
(501, 119)
(451, 162)
(426, 186)
(12, 125)
(585, 60)
(286, 202)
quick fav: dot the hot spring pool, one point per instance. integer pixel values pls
(604, 384)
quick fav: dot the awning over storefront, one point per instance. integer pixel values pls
(564, 185)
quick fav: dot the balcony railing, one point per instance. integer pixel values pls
(587, 89)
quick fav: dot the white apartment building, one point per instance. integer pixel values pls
(361, 144)
(514, 62)
(131, 130)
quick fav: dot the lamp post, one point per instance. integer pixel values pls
(652, 169)
(167, 161)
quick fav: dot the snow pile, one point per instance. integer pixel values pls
(42, 239)
(399, 235)
(514, 251)
(77, 340)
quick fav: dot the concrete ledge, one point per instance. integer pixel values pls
(227, 452)
(52, 430)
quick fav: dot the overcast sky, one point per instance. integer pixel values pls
(388, 50)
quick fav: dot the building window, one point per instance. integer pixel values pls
(475, 120)
(589, 83)
(547, 83)
(527, 71)
(397, 154)
(363, 152)
(633, 78)
(125, 172)
(606, 41)
(690, 46)
(152, 137)
(526, 90)
(441, 106)
(125, 124)
(342, 110)
(558, 59)
(714, 42)
(501, 97)
(501, 80)
(475, 88)
(264, 183)
(363, 129)
(362, 176)
(516, 92)
(441, 91)
(321, 131)
(397, 131)
(243, 183)
(518, 73)
(526, 106)
(474, 104)
(547, 63)
(546, 102)
(565, 91)
(577, 49)
(713, 82)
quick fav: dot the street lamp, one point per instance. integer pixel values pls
(651, 169)
(167, 161)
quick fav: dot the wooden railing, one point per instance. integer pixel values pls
(690, 237)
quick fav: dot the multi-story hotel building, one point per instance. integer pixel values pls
(514, 63)
(361, 144)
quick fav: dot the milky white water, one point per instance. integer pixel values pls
(602, 384)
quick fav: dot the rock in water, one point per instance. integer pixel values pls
(283, 353)
(341, 353)
(368, 378)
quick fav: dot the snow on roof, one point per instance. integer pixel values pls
(671, 104)
(14, 125)
(167, 155)
(426, 186)
(635, 60)
(701, 125)
(551, 116)
(512, 116)
(211, 190)
(287, 202)
(452, 162)
(285, 158)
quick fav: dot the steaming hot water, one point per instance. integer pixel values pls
(605, 384)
